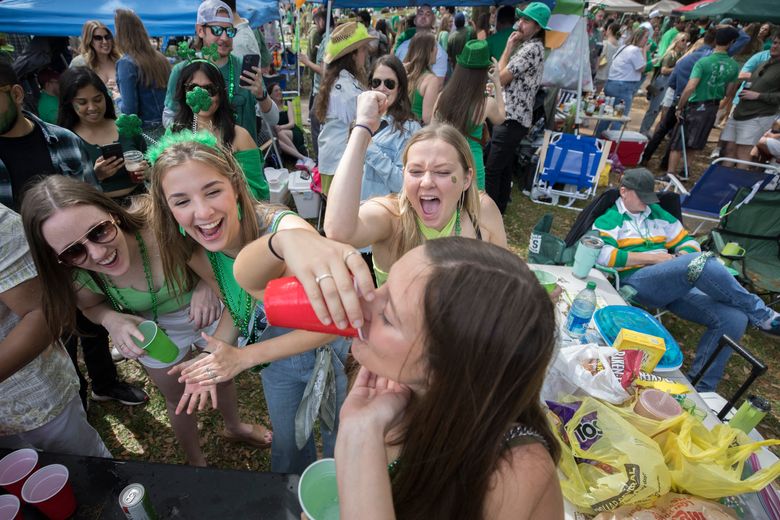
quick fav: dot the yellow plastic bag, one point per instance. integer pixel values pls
(709, 464)
(649, 427)
(606, 462)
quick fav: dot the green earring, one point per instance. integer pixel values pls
(239, 212)
(181, 230)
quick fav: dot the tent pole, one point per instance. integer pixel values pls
(328, 15)
(577, 118)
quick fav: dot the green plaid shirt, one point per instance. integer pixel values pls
(67, 156)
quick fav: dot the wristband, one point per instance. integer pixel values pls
(367, 129)
(271, 247)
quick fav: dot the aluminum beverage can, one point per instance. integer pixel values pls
(135, 503)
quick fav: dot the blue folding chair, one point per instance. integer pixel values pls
(717, 187)
(569, 168)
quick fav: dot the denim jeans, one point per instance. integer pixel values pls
(621, 91)
(660, 84)
(715, 300)
(283, 384)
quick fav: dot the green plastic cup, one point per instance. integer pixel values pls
(318, 492)
(548, 280)
(156, 343)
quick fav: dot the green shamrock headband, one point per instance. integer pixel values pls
(209, 53)
(185, 136)
(130, 125)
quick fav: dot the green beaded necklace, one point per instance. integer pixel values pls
(231, 78)
(118, 301)
(240, 310)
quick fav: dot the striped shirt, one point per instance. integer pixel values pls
(652, 230)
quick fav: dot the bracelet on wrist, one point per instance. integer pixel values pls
(271, 247)
(366, 128)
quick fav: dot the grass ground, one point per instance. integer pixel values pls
(144, 432)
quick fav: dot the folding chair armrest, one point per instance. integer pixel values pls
(610, 271)
(758, 369)
(675, 185)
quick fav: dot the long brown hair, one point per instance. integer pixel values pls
(401, 109)
(179, 249)
(407, 234)
(462, 102)
(41, 201)
(133, 40)
(90, 56)
(485, 374)
(418, 57)
(331, 74)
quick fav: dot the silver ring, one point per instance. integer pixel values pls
(210, 372)
(353, 252)
(321, 277)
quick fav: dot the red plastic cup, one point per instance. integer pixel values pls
(48, 489)
(10, 507)
(16, 467)
(286, 305)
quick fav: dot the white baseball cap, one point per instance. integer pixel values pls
(208, 12)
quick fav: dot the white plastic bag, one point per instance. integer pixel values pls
(570, 375)
(562, 66)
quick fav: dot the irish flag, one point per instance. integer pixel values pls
(564, 18)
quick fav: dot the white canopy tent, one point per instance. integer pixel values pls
(622, 6)
(665, 7)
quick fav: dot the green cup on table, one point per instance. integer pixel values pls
(548, 280)
(156, 342)
(318, 492)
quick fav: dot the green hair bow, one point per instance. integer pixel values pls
(128, 125)
(185, 136)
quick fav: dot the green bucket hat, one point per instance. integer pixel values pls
(538, 12)
(475, 55)
(344, 39)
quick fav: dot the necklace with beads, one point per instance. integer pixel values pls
(231, 85)
(118, 301)
(240, 308)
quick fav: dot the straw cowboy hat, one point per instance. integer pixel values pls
(346, 38)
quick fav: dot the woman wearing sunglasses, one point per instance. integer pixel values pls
(218, 119)
(383, 170)
(86, 110)
(142, 73)
(94, 255)
(99, 53)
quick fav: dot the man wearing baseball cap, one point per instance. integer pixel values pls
(247, 93)
(655, 255)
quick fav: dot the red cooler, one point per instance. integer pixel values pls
(632, 145)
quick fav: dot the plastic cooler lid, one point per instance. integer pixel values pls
(610, 319)
(276, 175)
(628, 136)
(296, 183)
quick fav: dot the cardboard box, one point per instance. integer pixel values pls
(653, 347)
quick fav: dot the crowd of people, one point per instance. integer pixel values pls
(415, 123)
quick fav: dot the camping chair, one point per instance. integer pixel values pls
(268, 145)
(752, 219)
(568, 167)
(717, 187)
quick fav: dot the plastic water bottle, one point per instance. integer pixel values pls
(582, 309)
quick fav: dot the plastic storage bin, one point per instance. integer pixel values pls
(631, 148)
(277, 182)
(307, 202)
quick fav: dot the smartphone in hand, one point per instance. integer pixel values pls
(249, 61)
(111, 151)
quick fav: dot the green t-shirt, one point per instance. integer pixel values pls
(497, 42)
(48, 106)
(666, 39)
(714, 72)
(243, 101)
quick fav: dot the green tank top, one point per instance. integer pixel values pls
(417, 100)
(169, 299)
(475, 145)
(429, 234)
(251, 163)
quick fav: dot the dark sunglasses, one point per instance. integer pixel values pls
(98, 38)
(217, 30)
(211, 88)
(389, 83)
(101, 233)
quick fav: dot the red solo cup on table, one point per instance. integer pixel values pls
(16, 467)
(48, 490)
(286, 305)
(10, 507)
